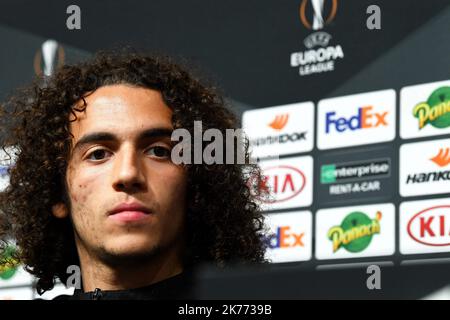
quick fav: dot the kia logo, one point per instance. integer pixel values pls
(431, 226)
(284, 182)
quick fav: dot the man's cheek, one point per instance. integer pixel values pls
(173, 194)
(79, 219)
(84, 203)
(84, 187)
(177, 180)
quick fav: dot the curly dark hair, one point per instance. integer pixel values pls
(223, 221)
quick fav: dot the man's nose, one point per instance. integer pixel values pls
(128, 172)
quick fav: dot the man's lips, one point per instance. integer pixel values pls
(127, 216)
(129, 212)
(129, 207)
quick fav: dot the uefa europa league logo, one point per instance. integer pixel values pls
(48, 58)
(317, 6)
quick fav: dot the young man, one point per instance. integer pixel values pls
(93, 183)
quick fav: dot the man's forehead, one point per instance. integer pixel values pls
(121, 108)
(120, 100)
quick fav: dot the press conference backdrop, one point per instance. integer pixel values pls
(359, 116)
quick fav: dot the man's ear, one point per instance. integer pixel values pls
(60, 210)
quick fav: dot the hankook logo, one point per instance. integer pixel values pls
(442, 159)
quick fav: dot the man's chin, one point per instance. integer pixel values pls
(130, 252)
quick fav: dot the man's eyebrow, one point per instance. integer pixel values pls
(108, 136)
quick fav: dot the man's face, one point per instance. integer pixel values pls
(121, 155)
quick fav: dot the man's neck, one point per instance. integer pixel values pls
(97, 274)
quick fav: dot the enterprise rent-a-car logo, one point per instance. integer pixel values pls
(335, 174)
(354, 176)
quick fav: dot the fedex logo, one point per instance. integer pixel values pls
(285, 238)
(341, 120)
(290, 236)
(364, 119)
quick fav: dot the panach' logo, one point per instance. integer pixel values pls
(435, 111)
(355, 232)
(8, 264)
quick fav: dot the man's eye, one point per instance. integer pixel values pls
(98, 154)
(159, 151)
